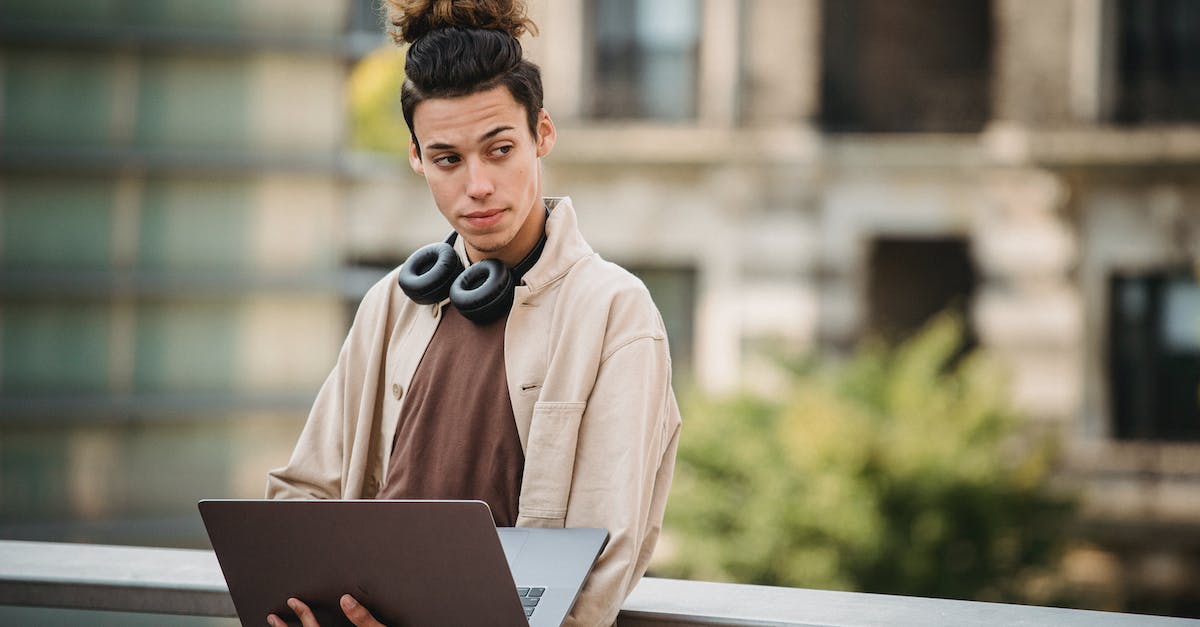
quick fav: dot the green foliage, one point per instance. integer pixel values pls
(376, 121)
(898, 471)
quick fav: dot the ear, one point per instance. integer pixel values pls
(414, 157)
(546, 135)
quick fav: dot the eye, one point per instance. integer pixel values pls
(500, 151)
(446, 160)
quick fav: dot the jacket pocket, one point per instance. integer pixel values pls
(550, 463)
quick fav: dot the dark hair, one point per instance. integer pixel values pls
(462, 47)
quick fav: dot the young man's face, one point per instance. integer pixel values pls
(481, 164)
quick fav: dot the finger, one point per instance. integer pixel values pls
(275, 621)
(357, 613)
(305, 615)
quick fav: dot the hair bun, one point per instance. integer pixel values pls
(410, 20)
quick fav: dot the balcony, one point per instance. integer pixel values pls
(189, 582)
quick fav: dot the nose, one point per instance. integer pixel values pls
(479, 183)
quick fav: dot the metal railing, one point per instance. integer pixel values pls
(179, 581)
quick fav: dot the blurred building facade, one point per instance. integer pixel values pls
(806, 172)
(170, 243)
(184, 234)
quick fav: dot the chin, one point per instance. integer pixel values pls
(488, 244)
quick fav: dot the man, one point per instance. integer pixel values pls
(559, 413)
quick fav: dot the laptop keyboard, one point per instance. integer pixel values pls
(530, 598)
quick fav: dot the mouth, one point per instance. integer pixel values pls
(483, 218)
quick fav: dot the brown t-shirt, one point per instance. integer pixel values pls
(457, 438)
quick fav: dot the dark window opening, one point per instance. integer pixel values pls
(1154, 355)
(1158, 61)
(921, 66)
(645, 57)
(911, 280)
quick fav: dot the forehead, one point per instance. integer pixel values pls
(465, 119)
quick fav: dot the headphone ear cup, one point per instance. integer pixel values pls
(484, 292)
(427, 275)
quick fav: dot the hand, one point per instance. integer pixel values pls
(353, 611)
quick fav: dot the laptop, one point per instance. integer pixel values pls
(408, 562)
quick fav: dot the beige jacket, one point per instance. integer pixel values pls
(589, 376)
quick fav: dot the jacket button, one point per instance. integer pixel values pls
(397, 391)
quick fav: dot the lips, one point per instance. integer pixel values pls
(484, 218)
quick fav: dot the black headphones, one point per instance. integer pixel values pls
(482, 293)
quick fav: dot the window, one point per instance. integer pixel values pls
(56, 98)
(189, 347)
(912, 280)
(1154, 355)
(51, 223)
(905, 67)
(644, 58)
(1158, 61)
(195, 225)
(194, 102)
(51, 348)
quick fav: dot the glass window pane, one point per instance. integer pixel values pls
(56, 224)
(193, 102)
(921, 66)
(186, 347)
(195, 225)
(55, 348)
(668, 30)
(1154, 356)
(1158, 61)
(33, 481)
(645, 58)
(56, 98)
(1181, 318)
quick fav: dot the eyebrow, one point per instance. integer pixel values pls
(486, 136)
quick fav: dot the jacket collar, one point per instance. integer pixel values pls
(564, 245)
